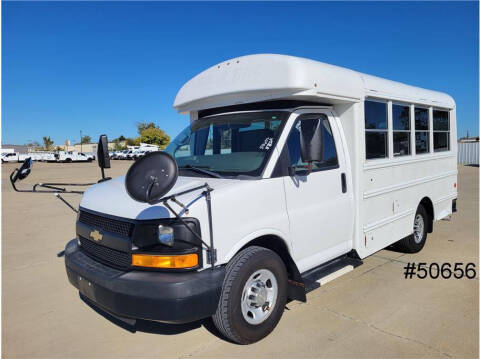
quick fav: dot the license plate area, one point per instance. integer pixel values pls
(86, 288)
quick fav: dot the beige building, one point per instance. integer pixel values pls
(87, 147)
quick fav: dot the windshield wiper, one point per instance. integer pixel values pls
(201, 170)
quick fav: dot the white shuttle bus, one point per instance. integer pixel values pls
(290, 170)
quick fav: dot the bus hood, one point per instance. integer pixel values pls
(111, 198)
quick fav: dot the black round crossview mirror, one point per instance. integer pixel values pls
(23, 171)
(151, 177)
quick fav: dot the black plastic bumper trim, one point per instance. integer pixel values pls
(165, 297)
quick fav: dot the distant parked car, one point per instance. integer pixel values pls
(72, 156)
(47, 157)
(130, 155)
(10, 157)
(15, 157)
(139, 154)
(116, 155)
(90, 156)
(122, 155)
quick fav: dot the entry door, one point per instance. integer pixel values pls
(319, 204)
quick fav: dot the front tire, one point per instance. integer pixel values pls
(416, 241)
(253, 297)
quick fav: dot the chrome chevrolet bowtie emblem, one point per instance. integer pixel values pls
(96, 235)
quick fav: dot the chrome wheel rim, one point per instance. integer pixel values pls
(418, 227)
(259, 296)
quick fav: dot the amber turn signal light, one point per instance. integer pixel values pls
(173, 262)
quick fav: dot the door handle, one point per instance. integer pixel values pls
(344, 183)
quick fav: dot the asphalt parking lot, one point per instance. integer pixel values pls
(371, 312)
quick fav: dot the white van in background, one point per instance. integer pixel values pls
(136, 152)
(309, 168)
(146, 147)
(47, 157)
(121, 155)
(72, 156)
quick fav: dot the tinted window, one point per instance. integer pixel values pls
(401, 130)
(422, 142)
(401, 143)
(440, 121)
(401, 117)
(376, 125)
(422, 136)
(375, 115)
(421, 118)
(376, 144)
(440, 141)
(329, 150)
(441, 128)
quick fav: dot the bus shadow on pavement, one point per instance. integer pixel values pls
(148, 326)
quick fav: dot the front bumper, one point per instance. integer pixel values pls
(165, 297)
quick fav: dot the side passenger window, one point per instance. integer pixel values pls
(329, 152)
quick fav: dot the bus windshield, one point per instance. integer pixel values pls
(230, 144)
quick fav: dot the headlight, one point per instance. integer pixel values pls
(158, 235)
(165, 235)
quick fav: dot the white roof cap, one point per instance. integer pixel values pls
(377, 86)
(267, 77)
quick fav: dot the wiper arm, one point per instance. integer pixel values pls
(201, 170)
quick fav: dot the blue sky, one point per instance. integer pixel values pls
(103, 67)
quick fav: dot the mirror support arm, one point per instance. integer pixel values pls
(103, 179)
(211, 251)
(46, 185)
(66, 203)
(51, 187)
(184, 223)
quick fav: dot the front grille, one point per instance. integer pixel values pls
(106, 224)
(110, 256)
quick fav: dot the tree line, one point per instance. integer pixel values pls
(148, 132)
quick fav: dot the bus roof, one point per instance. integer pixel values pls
(266, 77)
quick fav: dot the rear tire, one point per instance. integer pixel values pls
(253, 297)
(68, 160)
(416, 241)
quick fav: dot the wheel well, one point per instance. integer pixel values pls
(428, 205)
(296, 287)
(275, 244)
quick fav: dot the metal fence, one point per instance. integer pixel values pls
(468, 153)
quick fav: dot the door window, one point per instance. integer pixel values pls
(330, 160)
